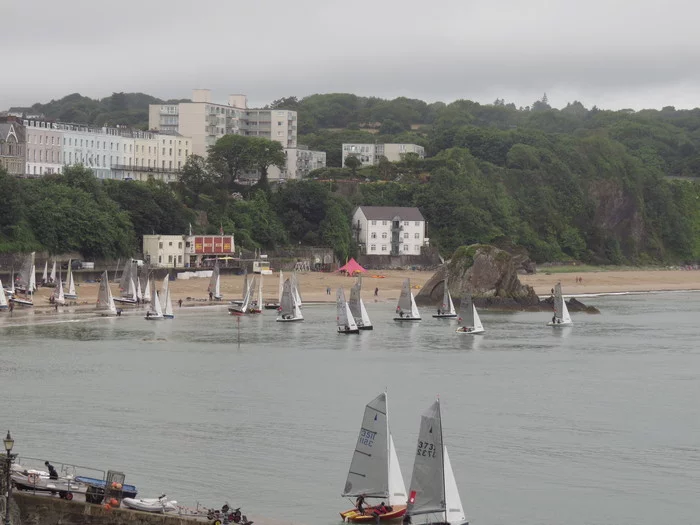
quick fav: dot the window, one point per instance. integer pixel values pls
(52, 141)
(171, 151)
(41, 139)
(373, 248)
(383, 223)
(179, 258)
(279, 122)
(374, 235)
(185, 153)
(383, 247)
(417, 223)
(160, 259)
(416, 235)
(374, 223)
(170, 258)
(280, 133)
(163, 151)
(179, 245)
(179, 153)
(383, 235)
(170, 243)
(405, 247)
(405, 223)
(405, 235)
(160, 245)
(417, 248)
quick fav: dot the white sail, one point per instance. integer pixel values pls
(156, 304)
(466, 311)
(164, 290)
(397, 487)
(139, 292)
(45, 275)
(132, 289)
(561, 312)
(407, 303)
(3, 298)
(281, 286)
(447, 307)
(289, 309)
(105, 300)
(369, 468)
(215, 282)
(168, 309)
(259, 295)
(427, 490)
(52, 276)
(455, 510)
(25, 273)
(147, 294)
(59, 296)
(247, 296)
(357, 306)
(295, 289)
(12, 283)
(344, 316)
(32, 280)
(478, 327)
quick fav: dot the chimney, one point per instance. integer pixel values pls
(201, 95)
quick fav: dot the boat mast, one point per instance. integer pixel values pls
(388, 448)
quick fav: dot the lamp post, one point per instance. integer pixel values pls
(9, 443)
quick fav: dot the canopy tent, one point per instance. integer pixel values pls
(351, 267)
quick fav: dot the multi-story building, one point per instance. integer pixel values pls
(300, 162)
(206, 122)
(43, 148)
(12, 146)
(370, 154)
(186, 250)
(389, 230)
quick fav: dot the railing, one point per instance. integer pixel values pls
(124, 167)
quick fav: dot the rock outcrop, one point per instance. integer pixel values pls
(491, 276)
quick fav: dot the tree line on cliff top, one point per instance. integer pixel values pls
(576, 183)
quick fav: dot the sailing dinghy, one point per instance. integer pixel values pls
(167, 300)
(71, 293)
(357, 307)
(446, 310)
(433, 494)
(214, 288)
(257, 304)
(105, 300)
(156, 313)
(561, 312)
(344, 317)
(374, 469)
(289, 308)
(272, 305)
(58, 296)
(407, 309)
(242, 308)
(469, 317)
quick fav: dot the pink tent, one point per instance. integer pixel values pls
(351, 267)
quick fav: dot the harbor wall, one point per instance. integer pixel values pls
(43, 510)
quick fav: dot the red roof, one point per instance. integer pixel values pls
(352, 267)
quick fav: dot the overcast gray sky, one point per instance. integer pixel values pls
(614, 53)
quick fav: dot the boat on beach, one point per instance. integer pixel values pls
(374, 470)
(346, 321)
(4, 305)
(406, 308)
(561, 312)
(58, 296)
(433, 495)
(71, 293)
(214, 287)
(446, 309)
(159, 505)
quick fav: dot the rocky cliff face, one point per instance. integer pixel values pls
(486, 272)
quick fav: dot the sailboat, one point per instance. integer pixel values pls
(105, 301)
(407, 309)
(45, 275)
(71, 294)
(295, 289)
(433, 493)
(344, 317)
(357, 307)
(214, 288)
(289, 309)
(468, 317)
(10, 292)
(3, 300)
(257, 304)
(156, 312)
(24, 280)
(127, 285)
(32, 280)
(167, 300)
(242, 308)
(274, 305)
(374, 469)
(446, 310)
(58, 296)
(561, 312)
(147, 291)
(52, 275)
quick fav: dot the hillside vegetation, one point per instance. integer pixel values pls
(597, 186)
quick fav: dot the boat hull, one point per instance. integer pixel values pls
(367, 516)
(168, 316)
(272, 306)
(69, 296)
(404, 318)
(368, 327)
(153, 317)
(569, 323)
(21, 302)
(470, 332)
(445, 316)
(150, 505)
(280, 320)
(346, 332)
(124, 300)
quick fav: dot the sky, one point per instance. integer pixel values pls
(614, 54)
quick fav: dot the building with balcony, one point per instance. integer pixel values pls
(44, 148)
(300, 162)
(370, 154)
(12, 146)
(389, 230)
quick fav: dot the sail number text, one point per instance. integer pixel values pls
(367, 437)
(426, 449)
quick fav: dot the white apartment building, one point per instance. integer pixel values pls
(300, 162)
(205, 122)
(164, 250)
(389, 230)
(370, 154)
(43, 148)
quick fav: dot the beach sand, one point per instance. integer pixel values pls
(193, 292)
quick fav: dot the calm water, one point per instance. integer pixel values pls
(597, 424)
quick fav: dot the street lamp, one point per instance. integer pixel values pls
(9, 443)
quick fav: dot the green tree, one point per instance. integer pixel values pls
(231, 156)
(352, 162)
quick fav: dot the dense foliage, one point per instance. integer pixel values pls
(575, 183)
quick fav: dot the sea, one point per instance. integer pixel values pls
(598, 423)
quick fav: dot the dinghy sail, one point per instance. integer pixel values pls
(344, 317)
(289, 309)
(446, 310)
(561, 312)
(469, 320)
(357, 307)
(105, 300)
(374, 469)
(407, 309)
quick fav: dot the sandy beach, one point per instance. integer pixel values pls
(313, 285)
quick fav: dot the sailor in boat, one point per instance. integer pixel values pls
(148, 314)
(439, 311)
(554, 319)
(359, 502)
(380, 509)
(400, 313)
(119, 311)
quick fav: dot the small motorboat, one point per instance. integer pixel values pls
(160, 505)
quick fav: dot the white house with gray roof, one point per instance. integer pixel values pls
(389, 230)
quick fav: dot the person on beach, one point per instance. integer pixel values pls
(211, 296)
(52, 471)
(179, 303)
(376, 292)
